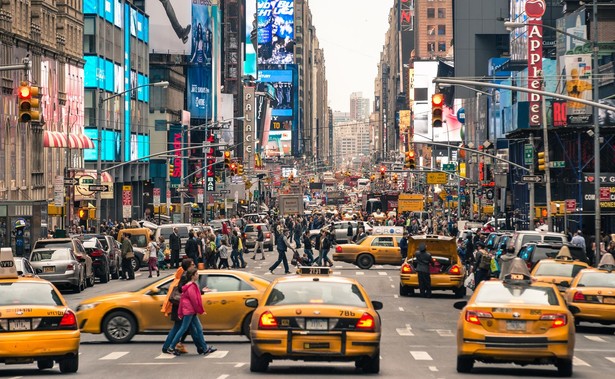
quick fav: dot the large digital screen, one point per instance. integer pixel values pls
(276, 31)
(139, 147)
(249, 64)
(111, 145)
(171, 25)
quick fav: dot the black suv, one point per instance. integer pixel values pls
(533, 252)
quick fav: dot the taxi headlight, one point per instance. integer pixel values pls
(85, 307)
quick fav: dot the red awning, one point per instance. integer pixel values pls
(54, 139)
(80, 141)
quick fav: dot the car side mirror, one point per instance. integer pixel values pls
(574, 310)
(251, 303)
(38, 271)
(565, 283)
(460, 304)
(377, 305)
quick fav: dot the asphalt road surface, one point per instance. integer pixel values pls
(418, 341)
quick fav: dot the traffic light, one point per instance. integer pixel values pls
(395, 178)
(383, 171)
(541, 161)
(437, 101)
(171, 167)
(372, 178)
(233, 168)
(83, 214)
(28, 102)
(411, 160)
(291, 177)
(227, 159)
(240, 169)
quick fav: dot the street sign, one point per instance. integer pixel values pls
(71, 181)
(472, 185)
(216, 195)
(182, 189)
(528, 154)
(98, 188)
(461, 116)
(489, 194)
(156, 193)
(532, 178)
(448, 167)
(437, 178)
(571, 205)
(557, 164)
(225, 192)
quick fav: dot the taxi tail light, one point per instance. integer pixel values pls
(558, 319)
(96, 253)
(338, 249)
(366, 323)
(69, 320)
(267, 321)
(406, 269)
(455, 270)
(579, 297)
(473, 317)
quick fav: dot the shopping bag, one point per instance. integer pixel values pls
(469, 282)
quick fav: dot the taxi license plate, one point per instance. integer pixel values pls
(608, 300)
(316, 345)
(20, 325)
(49, 269)
(515, 325)
(316, 324)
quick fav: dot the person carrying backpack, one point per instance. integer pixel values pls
(482, 267)
(260, 239)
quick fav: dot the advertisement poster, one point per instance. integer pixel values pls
(577, 75)
(170, 26)
(282, 125)
(249, 64)
(200, 73)
(574, 24)
(276, 31)
(606, 195)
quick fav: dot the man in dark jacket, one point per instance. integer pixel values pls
(403, 246)
(423, 261)
(349, 232)
(175, 244)
(192, 248)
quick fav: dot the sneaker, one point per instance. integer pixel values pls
(181, 348)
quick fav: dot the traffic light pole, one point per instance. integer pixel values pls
(531, 189)
(545, 135)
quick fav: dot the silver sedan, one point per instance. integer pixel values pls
(59, 266)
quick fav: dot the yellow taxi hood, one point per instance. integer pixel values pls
(109, 297)
(436, 245)
(12, 311)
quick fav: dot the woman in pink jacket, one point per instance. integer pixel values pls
(190, 306)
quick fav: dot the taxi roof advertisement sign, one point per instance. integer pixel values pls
(7, 264)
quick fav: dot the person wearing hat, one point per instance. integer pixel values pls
(482, 264)
(423, 261)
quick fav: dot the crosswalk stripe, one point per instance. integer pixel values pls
(404, 332)
(382, 273)
(165, 356)
(401, 309)
(595, 338)
(433, 368)
(222, 376)
(114, 355)
(359, 273)
(396, 296)
(421, 356)
(579, 362)
(217, 354)
(445, 333)
(612, 359)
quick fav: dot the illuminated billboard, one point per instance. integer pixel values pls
(276, 31)
(576, 71)
(111, 146)
(171, 25)
(249, 63)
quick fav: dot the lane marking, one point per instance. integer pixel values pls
(217, 354)
(382, 273)
(421, 356)
(445, 333)
(396, 296)
(392, 285)
(356, 273)
(223, 376)
(404, 332)
(595, 338)
(165, 356)
(378, 266)
(240, 364)
(153, 363)
(612, 359)
(579, 362)
(390, 279)
(433, 368)
(114, 355)
(401, 309)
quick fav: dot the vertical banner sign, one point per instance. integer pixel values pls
(534, 9)
(406, 15)
(199, 195)
(58, 191)
(126, 201)
(249, 104)
(168, 198)
(156, 197)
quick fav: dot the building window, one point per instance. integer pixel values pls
(431, 47)
(441, 12)
(441, 30)
(431, 30)
(441, 46)
(431, 13)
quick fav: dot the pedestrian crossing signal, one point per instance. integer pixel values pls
(83, 214)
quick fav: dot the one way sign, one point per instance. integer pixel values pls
(532, 178)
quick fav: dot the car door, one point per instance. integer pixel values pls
(385, 250)
(150, 306)
(225, 303)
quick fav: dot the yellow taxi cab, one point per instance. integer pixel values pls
(516, 320)
(593, 292)
(559, 271)
(315, 316)
(122, 315)
(373, 249)
(35, 321)
(447, 271)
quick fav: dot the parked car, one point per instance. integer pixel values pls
(140, 238)
(340, 228)
(100, 259)
(77, 249)
(250, 233)
(113, 251)
(60, 266)
(182, 229)
(533, 252)
(520, 238)
(23, 267)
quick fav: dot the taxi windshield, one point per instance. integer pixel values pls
(316, 292)
(496, 292)
(21, 293)
(597, 279)
(558, 269)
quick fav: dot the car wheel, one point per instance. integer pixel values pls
(79, 287)
(70, 364)
(564, 367)
(91, 280)
(136, 265)
(105, 277)
(369, 365)
(44, 364)
(115, 274)
(258, 364)
(464, 364)
(245, 326)
(119, 327)
(460, 292)
(405, 290)
(365, 261)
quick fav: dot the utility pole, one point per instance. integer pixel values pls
(545, 133)
(596, 97)
(531, 188)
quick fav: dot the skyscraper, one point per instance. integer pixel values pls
(359, 106)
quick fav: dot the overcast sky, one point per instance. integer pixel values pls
(352, 34)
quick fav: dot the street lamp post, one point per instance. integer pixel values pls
(101, 101)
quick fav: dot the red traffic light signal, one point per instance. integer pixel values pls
(233, 168)
(383, 171)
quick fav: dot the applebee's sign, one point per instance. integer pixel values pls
(534, 9)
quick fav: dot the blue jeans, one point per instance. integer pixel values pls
(173, 332)
(323, 256)
(281, 259)
(310, 255)
(191, 321)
